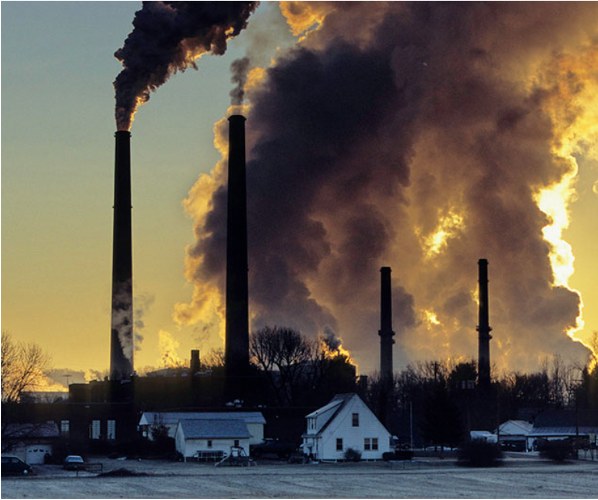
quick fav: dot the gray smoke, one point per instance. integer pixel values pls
(382, 127)
(169, 37)
(239, 69)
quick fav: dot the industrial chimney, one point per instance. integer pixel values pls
(483, 327)
(194, 365)
(236, 353)
(121, 338)
(385, 332)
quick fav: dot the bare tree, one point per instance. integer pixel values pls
(283, 354)
(23, 367)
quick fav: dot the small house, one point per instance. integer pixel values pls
(210, 439)
(345, 423)
(254, 421)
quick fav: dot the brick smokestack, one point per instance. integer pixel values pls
(121, 338)
(483, 327)
(236, 353)
(385, 332)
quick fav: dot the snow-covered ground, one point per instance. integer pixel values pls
(517, 478)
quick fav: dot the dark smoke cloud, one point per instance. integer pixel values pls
(142, 303)
(239, 69)
(169, 37)
(383, 126)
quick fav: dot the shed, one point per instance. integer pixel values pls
(346, 422)
(210, 438)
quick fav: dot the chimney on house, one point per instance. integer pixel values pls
(483, 328)
(236, 352)
(385, 332)
(121, 337)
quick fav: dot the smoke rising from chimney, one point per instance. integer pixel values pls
(168, 37)
(239, 70)
(415, 136)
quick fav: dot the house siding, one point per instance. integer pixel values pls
(323, 445)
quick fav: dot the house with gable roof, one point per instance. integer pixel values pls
(346, 422)
(254, 421)
(211, 439)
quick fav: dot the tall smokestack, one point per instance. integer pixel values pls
(236, 354)
(483, 327)
(385, 332)
(121, 339)
(194, 365)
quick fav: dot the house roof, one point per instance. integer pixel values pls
(563, 431)
(335, 406)
(31, 431)
(172, 418)
(515, 428)
(214, 429)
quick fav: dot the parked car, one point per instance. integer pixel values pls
(74, 462)
(14, 466)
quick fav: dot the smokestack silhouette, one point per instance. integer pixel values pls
(194, 365)
(121, 339)
(236, 354)
(385, 332)
(483, 327)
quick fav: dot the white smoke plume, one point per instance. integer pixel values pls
(169, 37)
(415, 136)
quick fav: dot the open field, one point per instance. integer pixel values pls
(427, 479)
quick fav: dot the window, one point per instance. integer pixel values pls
(339, 444)
(209, 443)
(366, 444)
(94, 429)
(111, 429)
(236, 442)
(374, 443)
(355, 419)
(65, 426)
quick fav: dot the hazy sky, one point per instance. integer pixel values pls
(57, 189)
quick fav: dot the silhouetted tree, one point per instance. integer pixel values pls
(283, 354)
(23, 367)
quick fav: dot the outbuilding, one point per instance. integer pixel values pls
(345, 423)
(211, 439)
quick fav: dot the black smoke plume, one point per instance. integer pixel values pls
(412, 135)
(169, 37)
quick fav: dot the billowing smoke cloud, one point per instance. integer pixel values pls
(415, 136)
(169, 37)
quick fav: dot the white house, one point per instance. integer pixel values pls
(346, 422)
(210, 439)
(254, 421)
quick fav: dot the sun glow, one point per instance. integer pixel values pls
(572, 109)
(448, 227)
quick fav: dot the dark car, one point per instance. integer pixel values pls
(14, 466)
(74, 462)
